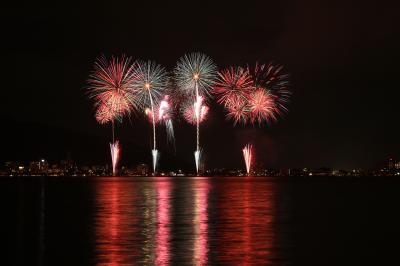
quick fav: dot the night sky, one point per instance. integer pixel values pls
(342, 57)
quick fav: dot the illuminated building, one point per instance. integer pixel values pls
(38, 167)
(391, 164)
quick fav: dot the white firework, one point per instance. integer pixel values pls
(148, 86)
(195, 70)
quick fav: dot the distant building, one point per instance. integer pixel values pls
(40, 167)
(142, 169)
(324, 171)
(391, 164)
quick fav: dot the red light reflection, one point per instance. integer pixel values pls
(244, 233)
(163, 222)
(200, 222)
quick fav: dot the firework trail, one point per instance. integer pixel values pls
(165, 114)
(248, 156)
(195, 74)
(148, 86)
(197, 158)
(109, 86)
(115, 149)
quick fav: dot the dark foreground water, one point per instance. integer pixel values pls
(200, 221)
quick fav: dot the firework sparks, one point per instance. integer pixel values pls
(115, 149)
(248, 156)
(197, 159)
(192, 111)
(155, 155)
(272, 79)
(254, 95)
(239, 113)
(110, 84)
(233, 86)
(149, 83)
(104, 115)
(165, 115)
(195, 75)
(233, 90)
(262, 106)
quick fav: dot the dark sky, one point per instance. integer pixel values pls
(342, 57)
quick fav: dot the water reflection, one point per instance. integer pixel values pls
(197, 221)
(163, 222)
(115, 219)
(200, 221)
(244, 231)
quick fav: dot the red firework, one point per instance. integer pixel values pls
(271, 78)
(233, 86)
(104, 114)
(262, 107)
(163, 111)
(110, 85)
(239, 112)
(254, 95)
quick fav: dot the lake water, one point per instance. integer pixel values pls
(200, 221)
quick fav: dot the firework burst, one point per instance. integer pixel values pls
(148, 86)
(233, 90)
(233, 86)
(262, 107)
(253, 95)
(195, 75)
(110, 86)
(165, 115)
(271, 78)
(104, 114)
(191, 111)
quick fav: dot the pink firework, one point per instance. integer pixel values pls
(104, 115)
(110, 84)
(149, 114)
(115, 149)
(165, 109)
(233, 87)
(248, 156)
(270, 77)
(262, 107)
(238, 112)
(195, 110)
